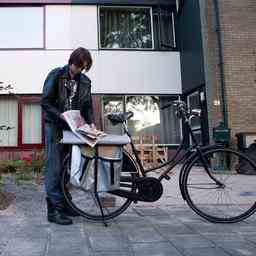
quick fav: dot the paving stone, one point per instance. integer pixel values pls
(251, 237)
(155, 249)
(170, 230)
(219, 228)
(150, 211)
(190, 241)
(144, 234)
(25, 246)
(229, 237)
(237, 248)
(211, 251)
(108, 242)
(117, 253)
(162, 220)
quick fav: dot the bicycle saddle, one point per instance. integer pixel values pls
(117, 118)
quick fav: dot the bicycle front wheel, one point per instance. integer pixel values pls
(218, 188)
(84, 202)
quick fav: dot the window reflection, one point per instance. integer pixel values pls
(149, 121)
(122, 27)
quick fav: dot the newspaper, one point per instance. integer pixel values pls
(81, 129)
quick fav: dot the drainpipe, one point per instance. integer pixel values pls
(221, 63)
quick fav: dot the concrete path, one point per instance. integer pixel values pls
(144, 229)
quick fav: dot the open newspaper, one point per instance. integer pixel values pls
(81, 129)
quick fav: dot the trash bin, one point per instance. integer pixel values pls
(221, 134)
(244, 140)
(246, 143)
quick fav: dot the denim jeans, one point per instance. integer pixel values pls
(54, 157)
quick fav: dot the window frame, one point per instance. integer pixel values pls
(43, 7)
(21, 101)
(131, 7)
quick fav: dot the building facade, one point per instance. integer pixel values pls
(145, 54)
(136, 64)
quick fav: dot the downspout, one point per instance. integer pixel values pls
(221, 63)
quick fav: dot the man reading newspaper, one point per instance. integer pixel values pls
(65, 88)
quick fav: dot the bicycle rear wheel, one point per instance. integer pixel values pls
(84, 201)
(217, 189)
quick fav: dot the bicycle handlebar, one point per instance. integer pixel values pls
(182, 109)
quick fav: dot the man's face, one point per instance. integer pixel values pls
(75, 69)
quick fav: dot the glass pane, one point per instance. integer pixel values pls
(170, 124)
(166, 36)
(125, 27)
(21, 27)
(146, 119)
(32, 121)
(112, 104)
(9, 118)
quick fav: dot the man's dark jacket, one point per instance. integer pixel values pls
(55, 94)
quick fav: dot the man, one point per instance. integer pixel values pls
(65, 88)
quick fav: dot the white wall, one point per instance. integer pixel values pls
(68, 27)
(117, 72)
(138, 72)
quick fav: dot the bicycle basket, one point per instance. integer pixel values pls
(109, 167)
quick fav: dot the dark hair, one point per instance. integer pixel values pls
(79, 56)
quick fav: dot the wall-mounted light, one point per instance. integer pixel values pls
(216, 102)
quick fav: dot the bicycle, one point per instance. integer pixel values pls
(209, 180)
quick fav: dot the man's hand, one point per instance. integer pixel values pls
(92, 126)
(62, 117)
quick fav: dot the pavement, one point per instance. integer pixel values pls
(160, 228)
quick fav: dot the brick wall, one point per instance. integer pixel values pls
(238, 28)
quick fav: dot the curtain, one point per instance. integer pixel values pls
(31, 130)
(9, 117)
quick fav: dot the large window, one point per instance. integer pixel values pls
(137, 28)
(8, 122)
(21, 27)
(126, 27)
(148, 121)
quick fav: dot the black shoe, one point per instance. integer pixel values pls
(55, 214)
(67, 210)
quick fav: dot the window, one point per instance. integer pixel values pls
(148, 120)
(31, 124)
(126, 27)
(21, 27)
(23, 116)
(8, 118)
(164, 29)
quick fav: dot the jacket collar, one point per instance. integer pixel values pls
(80, 77)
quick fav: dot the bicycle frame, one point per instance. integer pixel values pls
(190, 154)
